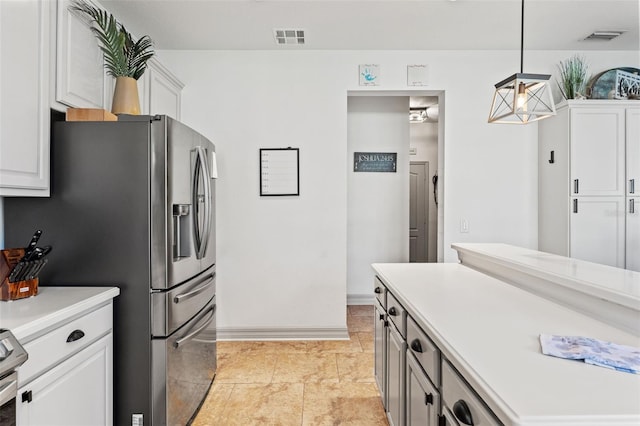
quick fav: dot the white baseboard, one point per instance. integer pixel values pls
(360, 299)
(284, 333)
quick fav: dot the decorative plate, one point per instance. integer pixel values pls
(616, 83)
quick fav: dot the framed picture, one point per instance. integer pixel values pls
(279, 171)
(369, 74)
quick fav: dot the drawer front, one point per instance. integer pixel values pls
(462, 401)
(380, 291)
(397, 314)
(51, 349)
(424, 350)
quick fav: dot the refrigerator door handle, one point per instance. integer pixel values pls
(202, 235)
(208, 281)
(197, 331)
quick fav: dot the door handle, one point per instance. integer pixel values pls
(392, 311)
(377, 290)
(416, 346)
(575, 186)
(202, 235)
(75, 335)
(179, 342)
(208, 281)
(632, 186)
(575, 205)
(462, 412)
(632, 206)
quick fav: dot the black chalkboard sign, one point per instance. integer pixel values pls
(375, 161)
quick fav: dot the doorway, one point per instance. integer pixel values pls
(425, 158)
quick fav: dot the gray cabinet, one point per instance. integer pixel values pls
(380, 350)
(422, 397)
(396, 348)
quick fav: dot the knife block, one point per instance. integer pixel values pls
(19, 289)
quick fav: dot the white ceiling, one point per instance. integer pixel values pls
(381, 24)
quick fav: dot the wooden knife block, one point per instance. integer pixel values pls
(19, 289)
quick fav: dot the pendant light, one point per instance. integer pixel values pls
(522, 98)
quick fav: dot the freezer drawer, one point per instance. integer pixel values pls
(170, 309)
(184, 365)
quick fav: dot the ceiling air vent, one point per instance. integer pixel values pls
(289, 36)
(604, 35)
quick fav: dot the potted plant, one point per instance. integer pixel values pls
(573, 73)
(124, 58)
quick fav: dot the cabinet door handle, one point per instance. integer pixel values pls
(27, 396)
(462, 412)
(575, 205)
(392, 311)
(416, 346)
(377, 290)
(632, 186)
(75, 335)
(381, 317)
(428, 399)
(575, 186)
(632, 206)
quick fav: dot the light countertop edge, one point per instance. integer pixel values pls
(29, 318)
(483, 369)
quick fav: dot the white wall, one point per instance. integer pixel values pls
(377, 203)
(282, 262)
(424, 138)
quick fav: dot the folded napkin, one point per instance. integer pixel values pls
(592, 351)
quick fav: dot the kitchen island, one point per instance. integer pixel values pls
(487, 332)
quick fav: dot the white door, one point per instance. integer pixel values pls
(597, 151)
(633, 151)
(633, 234)
(597, 230)
(418, 212)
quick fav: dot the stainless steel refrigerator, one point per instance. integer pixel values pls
(133, 205)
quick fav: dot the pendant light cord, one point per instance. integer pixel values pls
(522, 38)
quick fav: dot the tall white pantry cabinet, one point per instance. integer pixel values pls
(589, 182)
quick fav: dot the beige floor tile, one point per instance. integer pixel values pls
(289, 346)
(245, 367)
(354, 404)
(263, 404)
(366, 341)
(305, 368)
(214, 404)
(231, 347)
(359, 323)
(356, 367)
(360, 310)
(337, 346)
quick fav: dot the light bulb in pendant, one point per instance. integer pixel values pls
(521, 97)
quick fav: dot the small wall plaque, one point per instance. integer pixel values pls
(369, 74)
(375, 161)
(417, 75)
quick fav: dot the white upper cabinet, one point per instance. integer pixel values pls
(597, 151)
(162, 91)
(633, 152)
(80, 75)
(24, 97)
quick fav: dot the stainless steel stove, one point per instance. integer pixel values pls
(12, 355)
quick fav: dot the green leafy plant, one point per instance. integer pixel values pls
(123, 57)
(573, 73)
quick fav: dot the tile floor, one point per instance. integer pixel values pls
(297, 382)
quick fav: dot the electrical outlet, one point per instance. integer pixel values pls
(464, 226)
(136, 420)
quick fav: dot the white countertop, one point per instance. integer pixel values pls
(490, 330)
(28, 318)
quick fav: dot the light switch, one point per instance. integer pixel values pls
(464, 226)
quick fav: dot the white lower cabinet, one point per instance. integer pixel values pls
(633, 234)
(76, 392)
(597, 232)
